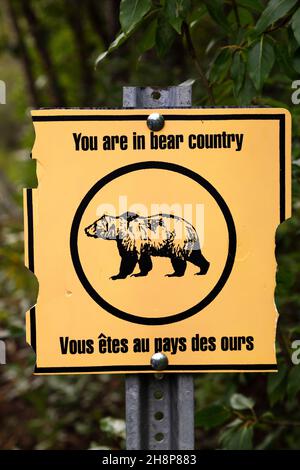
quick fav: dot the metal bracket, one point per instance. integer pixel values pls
(159, 407)
(148, 97)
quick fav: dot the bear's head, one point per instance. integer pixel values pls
(105, 227)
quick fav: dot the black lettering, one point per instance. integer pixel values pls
(162, 141)
(89, 346)
(224, 343)
(141, 345)
(153, 141)
(182, 344)
(124, 345)
(192, 144)
(212, 343)
(236, 343)
(123, 142)
(64, 341)
(73, 346)
(102, 346)
(110, 142)
(76, 138)
(138, 141)
(157, 344)
(115, 345)
(250, 343)
(203, 343)
(165, 142)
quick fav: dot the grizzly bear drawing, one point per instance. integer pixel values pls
(138, 238)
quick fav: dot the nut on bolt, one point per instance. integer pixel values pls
(155, 122)
(159, 361)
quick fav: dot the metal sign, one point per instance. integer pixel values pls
(153, 232)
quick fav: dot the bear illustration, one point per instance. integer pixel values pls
(139, 238)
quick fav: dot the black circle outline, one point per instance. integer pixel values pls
(160, 166)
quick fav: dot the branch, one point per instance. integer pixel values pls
(9, 209)
(111, 9)
(97, 23)
(193, 54)
(41, 43)
(236, 12)
(75, 18)
(282, 21)
(280, 422)
(24, 54)
(284, 347)
(277, 26)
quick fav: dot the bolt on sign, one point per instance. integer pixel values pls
(150, 241)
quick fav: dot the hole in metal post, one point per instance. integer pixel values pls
(158, 415)
(159, 436)
(155, 95)
(158, 394)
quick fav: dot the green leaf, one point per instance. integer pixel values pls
(122, 37)
(220, 66)
(165, 36)
(260, 62)
(238, 69)
(276, 385)
(216, 10)
(246, 17)
(196, 14)
(275, 10)
(243, 439)
(293, 387)
(212, 416)
(176, 11)
(268, 441)
(256, 5)
(132, 12)
(147, 41)
(240, 402)
(296, 60)
(285, 61)
(296, 25)
(237, 437)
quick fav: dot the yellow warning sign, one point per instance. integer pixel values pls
(148, 241)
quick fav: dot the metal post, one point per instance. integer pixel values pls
(159, 407)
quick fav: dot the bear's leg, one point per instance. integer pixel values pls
(145, 264)
(127, 265)
(197, 258)
(179, 266)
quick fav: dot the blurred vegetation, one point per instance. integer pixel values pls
(235, 52)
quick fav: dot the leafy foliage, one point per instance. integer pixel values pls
(212, 416)
(276, 9)
(132, 12)
(261, 60)
(240, 402)
(235, 52)
(237, 436)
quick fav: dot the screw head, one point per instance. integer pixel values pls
(159, 361)
(155, 122)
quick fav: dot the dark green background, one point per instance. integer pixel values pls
(235, 52)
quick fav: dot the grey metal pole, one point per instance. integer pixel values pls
(159, 407)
